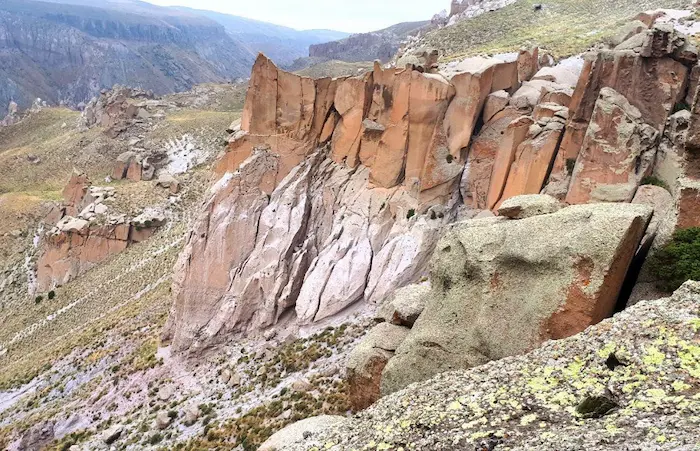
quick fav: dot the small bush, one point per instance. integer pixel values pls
(449, 158)
(52, 294)
(38, 299)
(678, 261)
(411, 213)
(155, 438)
(653, 180)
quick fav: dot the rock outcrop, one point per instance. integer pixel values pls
(318, 231)
(642, 364)
(336, 190)
(85, 234)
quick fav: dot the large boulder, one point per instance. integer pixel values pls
(617, 152)
(503, 287)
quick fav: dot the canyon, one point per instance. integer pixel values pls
(442, 251)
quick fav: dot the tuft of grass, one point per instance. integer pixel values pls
(653, 180)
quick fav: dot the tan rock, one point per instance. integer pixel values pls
(476, 178)
(472, 85)
(617, 152)
(351, 101)
(528, 64)
(426, 159)
(513, 136)
(495, 102)
(533, 158)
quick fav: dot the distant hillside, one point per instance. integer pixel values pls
(381, 45)
(282, 44)
(69, 53)
(69, 50)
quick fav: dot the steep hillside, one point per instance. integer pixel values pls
(282, 44)
(69, 53)
(563, 27)
(377, 45)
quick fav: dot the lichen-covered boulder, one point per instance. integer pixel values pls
(644, 362)
(502, 288)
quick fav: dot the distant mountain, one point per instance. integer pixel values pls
(282, 44)
(68, 50)
(381, 44)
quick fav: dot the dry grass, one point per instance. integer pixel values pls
(335, 68)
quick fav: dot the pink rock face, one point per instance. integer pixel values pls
(617, 152)
(482, 158)
(351, 102)
(384, 146)
(69, 254)
(471, 89)
(529, 170)
(74, 193)
(513, 136)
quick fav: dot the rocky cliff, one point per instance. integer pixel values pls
(334, 192)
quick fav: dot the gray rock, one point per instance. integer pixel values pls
(529, 205)
(162, 420)
(503, 288)
(531, 399)
(112, 434)
(405, 305)
(299, 431)
(191, 415)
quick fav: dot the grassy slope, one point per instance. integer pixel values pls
(25, 187)
(564, 27)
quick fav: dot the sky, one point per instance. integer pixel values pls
(354, 16)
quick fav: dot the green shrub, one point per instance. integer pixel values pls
(653, 180)
(38, 299)
(678, 261)
(155, 438)
(411, 213)
(52, 294)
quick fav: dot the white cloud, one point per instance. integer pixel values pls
(343, 15)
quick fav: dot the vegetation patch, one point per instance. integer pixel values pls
(678, 261)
